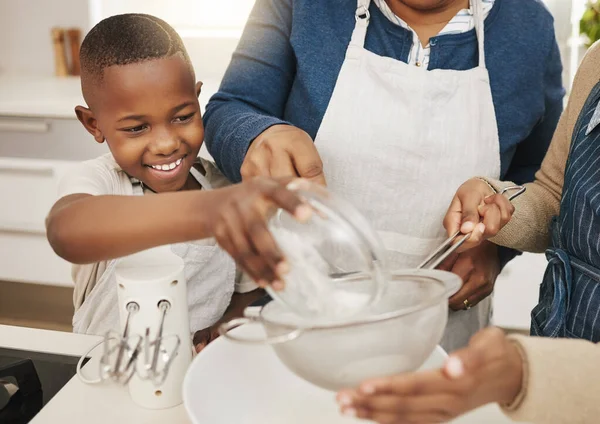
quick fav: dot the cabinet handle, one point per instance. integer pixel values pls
(21, 228)
(18, 125)
(26, 168)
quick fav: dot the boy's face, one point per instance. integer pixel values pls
(149, 114)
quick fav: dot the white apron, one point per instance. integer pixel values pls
(397, 141)
(209, 272)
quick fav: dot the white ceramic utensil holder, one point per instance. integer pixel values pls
(147, 278)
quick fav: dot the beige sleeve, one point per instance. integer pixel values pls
(562, 384)
(529, 229)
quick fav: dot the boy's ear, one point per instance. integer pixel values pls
(86, 117)
(198, 88)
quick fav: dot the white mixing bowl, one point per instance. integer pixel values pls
(397, 334)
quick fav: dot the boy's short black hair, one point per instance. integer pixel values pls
(125, 39)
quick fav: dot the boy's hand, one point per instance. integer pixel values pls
(476, 209)
(239, 302)
(283, 151)
(240, 226)
(489, 370)
(203, 337)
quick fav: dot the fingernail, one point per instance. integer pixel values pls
(467, 227)
(345, 400)
(454, 367)
(262, 284)
(282, 268)
(481, 227)
(303, 213)
(277, 285)
(350, 412)
(367, 389)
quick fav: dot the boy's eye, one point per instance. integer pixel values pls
(185, 118)
(135, 130)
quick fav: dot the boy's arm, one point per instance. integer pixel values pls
(82, 228)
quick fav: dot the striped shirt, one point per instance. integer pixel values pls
(462, 22)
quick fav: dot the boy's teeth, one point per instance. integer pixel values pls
(169, 166)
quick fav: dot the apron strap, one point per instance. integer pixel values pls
(200, 178)
(477, 7)
(138, 186)
(362, 17)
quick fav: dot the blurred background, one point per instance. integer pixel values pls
(40, 137)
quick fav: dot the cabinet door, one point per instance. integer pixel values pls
(40, 138)
(28, 188)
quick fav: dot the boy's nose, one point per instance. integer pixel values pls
(165, 145)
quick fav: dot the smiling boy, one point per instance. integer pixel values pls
(152, 189)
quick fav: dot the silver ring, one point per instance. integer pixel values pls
(362, 13)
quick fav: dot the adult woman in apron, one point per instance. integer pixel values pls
(559, 215)
(517, 372)
(394, 139)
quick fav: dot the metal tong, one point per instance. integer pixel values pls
(451, 244)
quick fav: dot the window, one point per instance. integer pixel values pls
(191, 18)
(210, 29)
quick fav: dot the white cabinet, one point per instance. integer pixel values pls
(47, 138)
(34, 154)
(28, 188)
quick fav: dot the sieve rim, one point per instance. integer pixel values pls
(448, 281)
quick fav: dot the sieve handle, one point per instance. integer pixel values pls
(225, 331)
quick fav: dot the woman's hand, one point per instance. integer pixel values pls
(283, 151)
(478, 268)
(476, 209)
(489, 370)
(239, 224)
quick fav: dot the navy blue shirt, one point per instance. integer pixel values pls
(287, 62)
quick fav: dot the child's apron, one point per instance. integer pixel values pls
(209, 272)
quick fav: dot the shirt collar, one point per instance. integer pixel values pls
(387, 12)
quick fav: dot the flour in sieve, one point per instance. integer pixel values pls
(308, 281)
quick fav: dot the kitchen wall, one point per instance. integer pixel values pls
(25, 45)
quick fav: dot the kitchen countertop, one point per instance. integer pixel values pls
(78, 402)
(38, 96)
